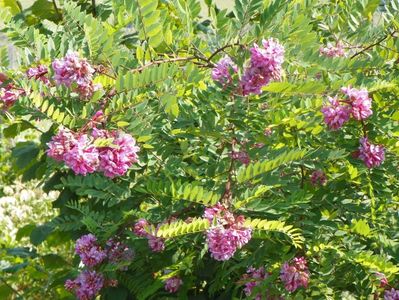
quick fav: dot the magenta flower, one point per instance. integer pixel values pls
(156, 244)
(333, 51)
(391, 294)
(38, 73)
(139, 228)
(372, 155)
(253, 278)
(335, 114)
(360, 102)
(87, 285)
(173, 284)
(9, 95)
(118, 252)
(295, 274)
(60, 144)
(116, 160)
(222, 71)
(73, 69)
(318, 178)
(241, 156)
(89, 251)
(265, 65)
(83, 157)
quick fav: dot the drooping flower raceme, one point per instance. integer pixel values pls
(360, 102)
(333, 51)
(173, 284)
(295, 274)
(156, 244)
(222, 71)
(139, 228)
(254, 277)
(227, 232)
(38, 73)
(87, 285)
(72, 69)
(118, 252)
(335, 114)
(265, 65)
(391, 294)
(241, 156)
(318, 178)
(372, 155)
(8, 95)
(89, 251)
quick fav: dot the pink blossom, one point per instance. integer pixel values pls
(254, 277)
(265, 65)
(333, 51)
(89, 251)
(318, 178)
(87, 285)
(118, 252)
(391, 294)
(173, 284)
(360, 102)
(38, 73)
(60, 144)
(83, 157)
(222, 71)
(9, 95)
(372, 155)
(73, 69)
(295, 274)
(268, 131)
(241, 156)
(156, 244)
(382, 278)
(139, 228)
(335, 114)
(116, 159)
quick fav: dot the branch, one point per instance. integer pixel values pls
(374, 44)
(57, 10)
(93, 7)
(221, 49)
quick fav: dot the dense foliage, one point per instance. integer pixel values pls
(205, 153)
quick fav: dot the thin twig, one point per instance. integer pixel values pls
(373, 45)
(57, 10)
(221, 49)
(93, 8)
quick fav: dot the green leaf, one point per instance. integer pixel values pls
(13, 5)
(170, 103)
(40, 233)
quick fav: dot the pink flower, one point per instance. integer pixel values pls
(173, 284)
(156, 244)
(265, 65)
(83, 157)
(295, 274)
(254, 277)
(335, 115)
(333, 51)
(8, 95)
(139, 228)
(360, 102)
(89, 251)
(222, 71)
(39, 73)
(87, 285)
(60, 144)
(382, 278)
(318, 177)
(241, 156)
(118, 252)
(73, 69)
(391, 294)
(116, 159)
(372, 155)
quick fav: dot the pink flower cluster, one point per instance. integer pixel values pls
(333, 51)
(253, 278)
(357, 104)
(295, 274)
(80, 153)
(156, 244)
(72, 69)
(391, 294)
(318, 178)
(89, 251)
(241, 156)
(87, 285)
(372, 155)
(38, 73)
(173, 284)
(265, 65)
(9, 94)
(118, 252)
(223, 70)
(227, 232)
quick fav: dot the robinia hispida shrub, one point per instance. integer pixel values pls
(203, 153)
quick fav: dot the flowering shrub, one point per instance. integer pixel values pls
(187, 145)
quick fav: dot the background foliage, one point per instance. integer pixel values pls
(154, 60)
